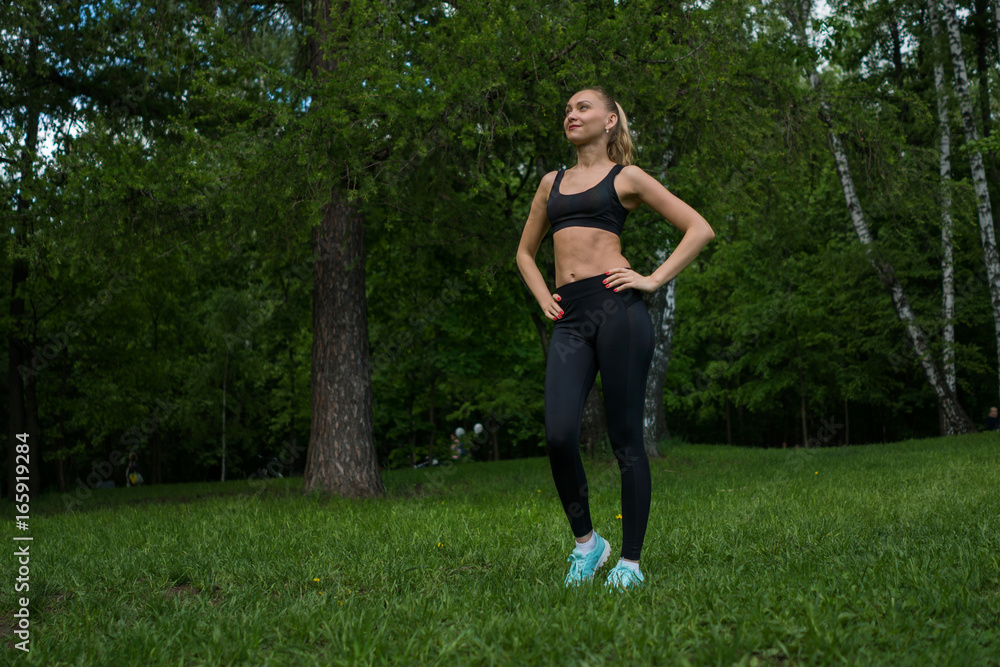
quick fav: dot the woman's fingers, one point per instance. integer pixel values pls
(556, 312)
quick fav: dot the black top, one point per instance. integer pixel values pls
(597, 207)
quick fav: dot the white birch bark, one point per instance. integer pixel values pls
(947, 225)
(946, 398)
(983, 210)
(662, 308)
(996, 16)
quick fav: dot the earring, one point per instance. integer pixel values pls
(606, 130)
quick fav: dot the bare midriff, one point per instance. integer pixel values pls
(582, 252)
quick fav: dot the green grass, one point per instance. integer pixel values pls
(889, 555)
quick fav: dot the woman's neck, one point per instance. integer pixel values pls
(592, 155)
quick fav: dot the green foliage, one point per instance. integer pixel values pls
(172, 227)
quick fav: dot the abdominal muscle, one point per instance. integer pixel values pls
(582, 252)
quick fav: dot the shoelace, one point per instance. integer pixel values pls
(576, 567)
(624, 577)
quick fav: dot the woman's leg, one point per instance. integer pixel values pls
(569, 375)
(624, 351)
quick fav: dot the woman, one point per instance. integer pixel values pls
(601, 321)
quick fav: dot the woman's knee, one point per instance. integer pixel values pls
(562, 440)
(630, 457)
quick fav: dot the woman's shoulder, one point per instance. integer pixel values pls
(545, 185)
(549, 178)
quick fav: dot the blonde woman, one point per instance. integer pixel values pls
(601, 321)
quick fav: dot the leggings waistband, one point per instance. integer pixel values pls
(595, 285)
(584, 287)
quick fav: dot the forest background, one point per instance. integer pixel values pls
(238, 230)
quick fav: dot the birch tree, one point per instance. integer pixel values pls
(798, 12)
(662, 306)
(947, 225)
(983, 210)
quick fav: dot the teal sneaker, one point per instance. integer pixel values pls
(622, 577)
(582, 566)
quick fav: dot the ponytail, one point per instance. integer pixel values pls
(620, 148)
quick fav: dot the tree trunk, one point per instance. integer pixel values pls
(802, 389)
(897, 57)
(291, 412)
(981, 22)
(543, 334)
(947, 226)
(61, 446)
(883, 269)
(430, 418)
(996, 18)
(225, 373)
(729, 422)
(847, 424)
(341, 458)
(413, 420)
(594, 424)
(983, 210)
(662, 306)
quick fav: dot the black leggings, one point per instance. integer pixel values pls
(611, 332)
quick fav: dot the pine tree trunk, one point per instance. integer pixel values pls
(983, 210)
(341, 458)
(884, 271)
(662, 305)
(947, 226)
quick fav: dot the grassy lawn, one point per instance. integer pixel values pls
(875, 554)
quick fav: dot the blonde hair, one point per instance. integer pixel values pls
(620, 149)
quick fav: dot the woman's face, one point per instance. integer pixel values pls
(585, 118)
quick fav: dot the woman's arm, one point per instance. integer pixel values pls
(640, 187)
(531, 238)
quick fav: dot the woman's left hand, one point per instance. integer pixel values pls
(620, 278)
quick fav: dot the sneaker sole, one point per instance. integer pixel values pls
(603, 559)
(604, 556)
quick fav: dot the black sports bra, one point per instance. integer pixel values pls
(597, 207)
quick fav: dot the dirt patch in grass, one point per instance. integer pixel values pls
(183, 589)
(188, 591)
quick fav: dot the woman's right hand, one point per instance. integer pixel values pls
(552, 309)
